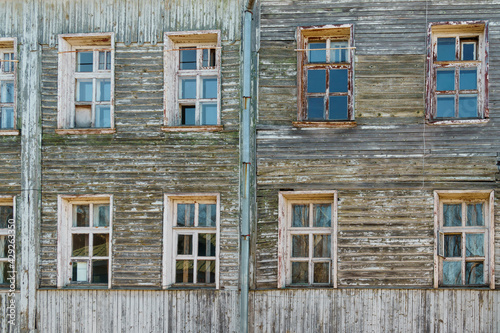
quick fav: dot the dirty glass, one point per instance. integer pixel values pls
(445, 107)
(85, 61)
(205, 272)
(101, 215)
(79, 271)
(7, 92)
(7, 118)
(338, 80)
(300, 246)
(188, 115)
(6, 213)
(316, 81)
(187, 88)
(321, 272)
(81, 216)
(322, 245)
(100, 246)
(300, 272)
(300, 215)
(4, 247)
(474, 272)
(185, 215)
(315, 108)
(103, 116)
(452, 272)
(315, 55)
(468, 79)
(446, 49)
(185, 244)
(207, 215)
(322, 215)
(452, 245)
(4, 275)
(80, 245)
(339, 51)
(474, 245)
(187, 58)
(445, 79)
(467, 106)
(100, 271)
(338, 108)
(208, 114)
(184, 271)
(84, 91)
(206, 245)
(475, 214)
(452, 215)
(209, 86)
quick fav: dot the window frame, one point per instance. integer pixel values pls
(199, 40)
(69, 46)
(170, 231)
(453, 196)
(9, 45)
(285, 201)
(7, 200)
(458, 30)
(64, 238)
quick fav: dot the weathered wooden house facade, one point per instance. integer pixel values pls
(233, 165)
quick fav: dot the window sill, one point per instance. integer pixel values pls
(82, 131)
(204, 128)
(9, 132)
(325, 124)
(458, 122)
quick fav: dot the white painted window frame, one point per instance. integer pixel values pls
(9, 45)
(7, 200)
(170, 231)
(453, 196)
(65, 229)
(286, 199)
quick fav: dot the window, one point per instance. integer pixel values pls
(307, 253)
(8, 65)
(7, 227)
(464, 238)
(192, 81)
(191, 231)
(325, 74)
(85, 231)
(86, 84)
(458, 66)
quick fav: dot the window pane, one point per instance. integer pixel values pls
(4, 247)
(187, 88)
(188, 116)
(185, 244)
(338, 108)
(8, 66)
(206, 245)
(445, 79)
(322, 245)
(206, 271)
(300, 246)
(208, 58)
(104, 60)
(108, 60)
(322, 215)
(316, 81)
(84, 91)
(80, 215)
(79, 271)
(208, 114)
(321, 272)
(100, 271)
(467, 106)
(475, 215)
(80, 245)
(300, 215)
(452, 272)
(184, 271)
(445, 107)
(7, 118)
(6, 213)
(319, 55)
(85, 61)
(445, 49)
(102, 116)
(474, 245)
(101, 215)
(452, 245)
(83, 116)
(452, 215)
(207, 215)
(300, 272)
(315, 108)
(209, 88)
(474, 273)
(100, 247)
(104, 90)
(468, 79)
(4, 273)
(469, 51)
(338, 80)
(185, 215)
(338, 52)
(7, 92)
(187, 59)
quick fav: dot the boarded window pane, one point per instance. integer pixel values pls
(205, 271)
(207, 215)
(445, 79)
(100, 271)
(322, 215)
(445, 107)
(338, 80)
(474, 245)
(452, 245)
(81, 216)
(83, 116)
(100, 247)
(80, 245)
(102, 116)
(187, 59)
(316, 81)
(187, 88)
(209, 88)
(452, 273)
(184, 271)
(79, 271)
(318, 56)
(300, 215)
(185, 215)
(446, 49)
(185, 244)
(7, 92)
(300, 246)
(315, 108)
(475, 215)
(188, 116)
(300, 273)
(467, 106)
(322, 245)
(7, 117)
(339, 51)
(452, 215)
(474, 273)
(338, 108)
(85, 61)
(321, 272)
(206, 245)
(6, 213)
(84, 91)
(209, 114)
(4, 275)
(468, 79)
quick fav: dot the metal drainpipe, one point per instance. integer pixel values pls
(246, 167)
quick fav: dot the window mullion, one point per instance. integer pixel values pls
(195, 256)
(311, 264)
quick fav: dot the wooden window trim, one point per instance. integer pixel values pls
(488, 197)
(65, 205)
(9, 45)
(7, 200)
(169, 249)
(201, 128)
(285, 199)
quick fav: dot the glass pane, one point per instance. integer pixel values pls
(6, 214)
(322, 245)
(209, 88)
(300, 215)
(188, 116)
(300, 246)
(4, 273)
(101, 245)
(8, 66)
(316, 81)
(83, 116)
(452, 215)
(474, 273)
(452, 273)
(322, 215)
(469, 51)
(474, 245)
(338, 108)
(4, 247)
(85, 61)
(7, 118)
(101, 215)
(445, 79)
(206, 245)
(468, 79)
(315, 108)
(185, 215)
(102, 60)
(445, 107)
(84, 91)
(7, 92)
(184, 271)
(102, 116)
(300, 272)
(452, 245)
(205, 272)
(339, 51)
(475, 214)
(208, 58)
(104, 90)
(445, 49)
(208, 114)
(207, 215)
(79, 271)
(467, 106)
(81, 216)
(321, 272)
(108, 60)
(338, 80)
(80, 245)
(319, 55)
(185, 244)
(187, 88)
(187, 59)
(100, 271)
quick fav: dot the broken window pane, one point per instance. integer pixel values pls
(322, 245)
(187, 58)
(208, 114)
(300, 246)
(474, 245)
(452, 245)
(300, 215)
(206, 245)
(445, 49)
(184, 271)
(81, 216)
(7, 118)
(318, 56)
(185, 244)
(468, 79)
(100, 245)
(338, 80)
(6, 213)
(207, 215)
(205, 272)
(187, 88)
(102, 116)
(80, 245)
(100, 271)
(84, 62)
(7, 92)
(300, 272)
(188, 116)
(315, 108)
(322, 215)
(338, 108)
(475, 214)
(209, 87)
(445, 79)
(316, 81)
(452, 215)
(474, 272)
(445, 107)
(452, 272)
(79, 271)
(467, 106)
(339, 51)
(321, 272)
